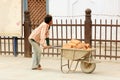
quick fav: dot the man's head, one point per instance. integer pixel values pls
(48, 19)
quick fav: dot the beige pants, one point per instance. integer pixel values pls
(36, 56)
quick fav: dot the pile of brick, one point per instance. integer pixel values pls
(76, 44)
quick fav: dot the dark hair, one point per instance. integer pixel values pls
(47, 18)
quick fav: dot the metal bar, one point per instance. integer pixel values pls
(116, 39)
(105, 38)
(4, 45)
(9, 46)
(81, 30)
(76, 29)
(95, 37)
(61, 34)
(71, 28)
(57, 32)
(102, 25)
(111, 39)
(100, 38)
(66, 31)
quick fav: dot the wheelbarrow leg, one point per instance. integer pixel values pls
(63, 65)
(76, 65)
(70, 66)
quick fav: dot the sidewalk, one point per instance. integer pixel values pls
(19, 68)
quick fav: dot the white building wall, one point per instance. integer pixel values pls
(78, 7)
(58, 7)
(101, 9)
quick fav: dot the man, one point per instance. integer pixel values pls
(38, 38)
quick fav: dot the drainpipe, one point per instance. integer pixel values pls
(25, 5)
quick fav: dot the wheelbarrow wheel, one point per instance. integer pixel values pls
(87, 67)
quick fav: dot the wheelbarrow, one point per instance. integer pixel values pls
(88, 64)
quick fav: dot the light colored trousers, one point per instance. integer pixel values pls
(36, 56)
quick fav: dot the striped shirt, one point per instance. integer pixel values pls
(40, 34)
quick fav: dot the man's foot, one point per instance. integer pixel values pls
(39, 68)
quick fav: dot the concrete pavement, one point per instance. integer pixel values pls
(19, 68)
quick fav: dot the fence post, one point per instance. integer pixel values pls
(27, 31)
(88, 27)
